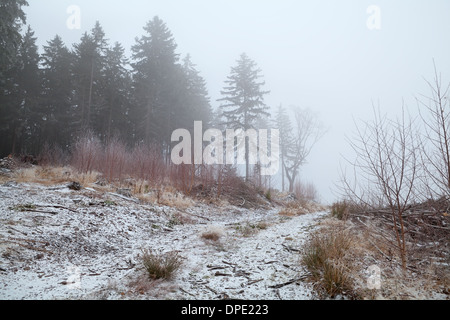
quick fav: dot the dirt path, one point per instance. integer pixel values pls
(56, 243)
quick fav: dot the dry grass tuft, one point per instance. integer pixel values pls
(53, 175)
(161, 265)
(326, 258)
(299, 207)
(213, 233)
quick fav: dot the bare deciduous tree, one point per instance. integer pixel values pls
(386, 170)
(436, 142)
(306, 133)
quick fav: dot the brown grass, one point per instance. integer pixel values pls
(53, 175)
(299, 207)
(326, 258)
(161, 265)
(213, 233)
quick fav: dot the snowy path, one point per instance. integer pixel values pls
(61, 244)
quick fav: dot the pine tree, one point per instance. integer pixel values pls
(88, 73)
(22, 97)
(284, 125)
(12, 18)
(196, 102)
(116, 86)
(57, 94)
(243, 99)
(156, 78)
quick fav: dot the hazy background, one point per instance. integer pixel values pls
(315, 54)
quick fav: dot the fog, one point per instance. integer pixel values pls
(334, 57)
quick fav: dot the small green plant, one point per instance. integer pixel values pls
(109, 203)
(23, 207)
(174, 220)
(268, 195)
(159, 265)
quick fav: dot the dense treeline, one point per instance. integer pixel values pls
(52, 101)
(52, 97)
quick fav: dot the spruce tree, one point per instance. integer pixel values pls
(12, 18)
(57, 94)
(243, 99)
(115, 120)
(88, 71)
(196, 102)
(157, 83)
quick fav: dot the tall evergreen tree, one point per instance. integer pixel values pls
(156, 78)
(57, 93)
(115, 118)
(22, 97)
(88, 71)
(283, 124)
(196, 102)
(243, 99)
(12, 18)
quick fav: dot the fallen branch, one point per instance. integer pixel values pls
(211, 289)
(28, 246)
(289, 249)
(56, 207)
(181, 289)
(123, 197)
(196, 215)
(39, 211)
(254, 281)
(220, 274)
(210, 267)
(277, 286)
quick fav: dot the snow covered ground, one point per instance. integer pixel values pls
(57, 243)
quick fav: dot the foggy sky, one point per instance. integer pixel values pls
(315, 54)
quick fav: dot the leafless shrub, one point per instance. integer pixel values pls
(53, 155)
(306, 191)
(86, 153)
(183, 177)
(386, 171)
(436, 141)
(147, 163)
(114, 159)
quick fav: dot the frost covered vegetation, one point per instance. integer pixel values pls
(91, 205)
(104, 241)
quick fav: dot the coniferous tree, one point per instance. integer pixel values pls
(88, 71)
(115, 120)
(283, 124)
(23, 99)
(56, 100)
(156, 79)
(12, 18)
(196, 102)
(243, 99)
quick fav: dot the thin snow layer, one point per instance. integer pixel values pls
(57, 243)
